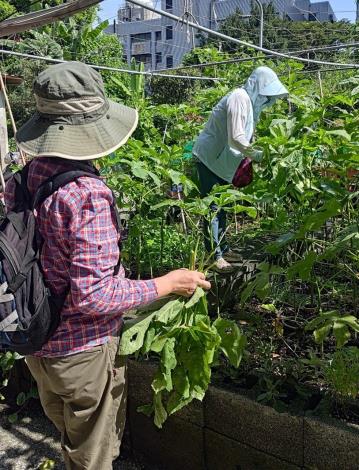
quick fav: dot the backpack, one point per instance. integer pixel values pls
(29, 312)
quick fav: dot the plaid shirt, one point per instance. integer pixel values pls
(81, 250)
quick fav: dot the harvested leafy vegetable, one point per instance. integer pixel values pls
(188, 343)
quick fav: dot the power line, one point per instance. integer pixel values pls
(237, 41)
(103, 67)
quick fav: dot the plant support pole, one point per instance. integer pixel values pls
(259, 3)
(3, 89)
(320, 84)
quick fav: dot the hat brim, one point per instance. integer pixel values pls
(39, 137)
(276, 88)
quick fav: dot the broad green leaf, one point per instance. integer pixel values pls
(158, 344)
(149, 338)
(237, 209)
(169, 311)
(247, 292)
(322, 318)
(134, 333)
(180, 382)
(232, 340)
(351, 321)
(195, 298)
(160, 412)
(160, 382)
(315, 221)
(321, 333)
(262, 285)
(275, 247)
(163, 379)
(176, 402)
(340, 133)
(155, 178)
(302, 268)
(341, 333)
(139, 171)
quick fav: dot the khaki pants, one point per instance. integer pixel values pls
(84, 395)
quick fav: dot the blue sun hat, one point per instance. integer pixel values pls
(264, 88)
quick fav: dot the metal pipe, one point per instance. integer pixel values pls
(259, 3)
(103, 67)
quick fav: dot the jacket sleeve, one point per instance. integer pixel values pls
(237, 114)
(94, 252)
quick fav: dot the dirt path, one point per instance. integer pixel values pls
(33, 440)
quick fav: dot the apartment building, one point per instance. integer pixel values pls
(159, 42)
(305, 10)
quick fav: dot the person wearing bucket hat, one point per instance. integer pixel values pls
(81, 379)
(224, 152)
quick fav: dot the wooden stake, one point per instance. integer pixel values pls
(320, 84)
(3, 89)
(4, 144)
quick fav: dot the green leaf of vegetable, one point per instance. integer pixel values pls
(233, 341)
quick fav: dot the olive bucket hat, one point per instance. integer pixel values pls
(74, 119)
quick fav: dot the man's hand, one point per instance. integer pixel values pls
(181, 282)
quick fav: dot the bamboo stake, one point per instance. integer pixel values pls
(2, 86)
(320, 84)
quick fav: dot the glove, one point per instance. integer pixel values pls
(257, 155)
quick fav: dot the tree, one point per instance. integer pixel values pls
(6, 10)
(75, 38)
(283, 34)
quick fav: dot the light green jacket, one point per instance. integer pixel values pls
(225, 140)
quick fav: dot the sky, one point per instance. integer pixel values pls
(342, 9)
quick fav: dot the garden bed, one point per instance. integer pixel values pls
(229, 430)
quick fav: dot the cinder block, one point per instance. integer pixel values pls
(177, 446)
(330, 445)
(253, 424)
(140, 376)
(222, 453)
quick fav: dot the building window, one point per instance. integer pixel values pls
(169, 61)
(169, 32)
(169, 4)
(158, 57)
(158, 35)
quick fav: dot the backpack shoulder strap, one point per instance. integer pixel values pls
(51, 185)
(55, 182)
(22, 194)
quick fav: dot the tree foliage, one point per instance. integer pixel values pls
(282, 33)
(6, 9)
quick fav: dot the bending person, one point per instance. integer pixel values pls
(225, 142)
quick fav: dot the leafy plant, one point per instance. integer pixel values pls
(187, 343)
(339, 325)
(342, 373)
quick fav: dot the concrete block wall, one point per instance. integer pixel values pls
(229, 431)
